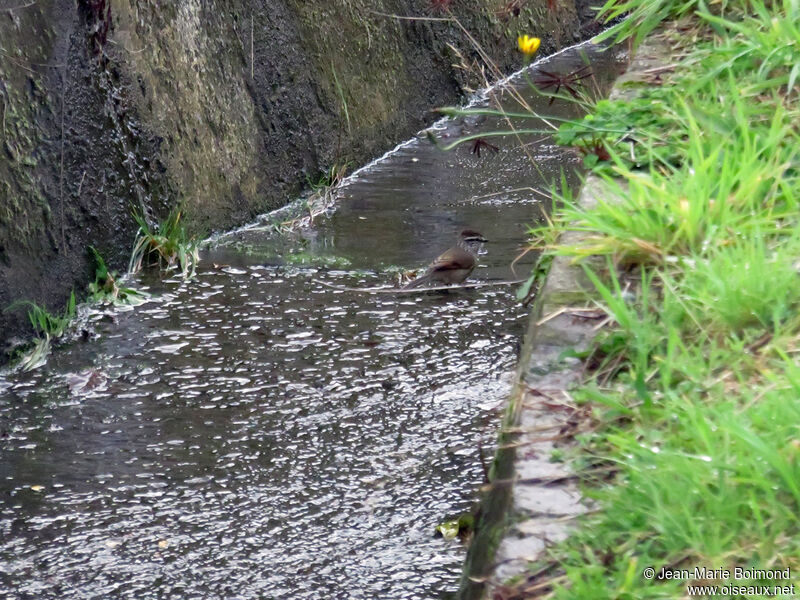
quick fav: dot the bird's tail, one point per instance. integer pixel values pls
(418, 282)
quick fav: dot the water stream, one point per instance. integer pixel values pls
(255, 433)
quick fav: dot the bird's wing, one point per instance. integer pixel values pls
(453, 259)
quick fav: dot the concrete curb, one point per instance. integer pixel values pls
(532, 501)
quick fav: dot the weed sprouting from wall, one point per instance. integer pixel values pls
(106, 286)
(164, 245)
(48, 326)
(45, 323)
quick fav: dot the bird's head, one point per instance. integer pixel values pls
(472, 236)
(471, 240)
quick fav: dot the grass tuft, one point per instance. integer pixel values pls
(106, 288)
(47, 327)
(167, 245)
(45, 323)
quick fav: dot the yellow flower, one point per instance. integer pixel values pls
(528, 45)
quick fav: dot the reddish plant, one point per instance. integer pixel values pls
(479, 143)
(569, 81)
(597, 147)
(511, 8)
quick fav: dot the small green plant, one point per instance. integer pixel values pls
(33, 355)
(330, 178)
(462, 527)
(47, 326)
(44, 323)
(164, 246)
(638, 131)
(106, 288)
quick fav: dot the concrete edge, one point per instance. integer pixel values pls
(532, 500)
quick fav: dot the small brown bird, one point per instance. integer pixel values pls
(453, 265)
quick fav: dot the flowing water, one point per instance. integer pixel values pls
(260, 432)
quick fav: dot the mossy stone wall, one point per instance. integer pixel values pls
(224, 105)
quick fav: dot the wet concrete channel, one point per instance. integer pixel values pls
(256, 433)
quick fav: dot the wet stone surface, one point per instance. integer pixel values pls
(254, 433)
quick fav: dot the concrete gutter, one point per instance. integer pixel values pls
(532, 501)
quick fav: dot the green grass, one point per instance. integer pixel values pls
(330, 178)
(47, 327)
(106, 288)
(45, 323)
(694, 388)
(167, 245)
(643, 16)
